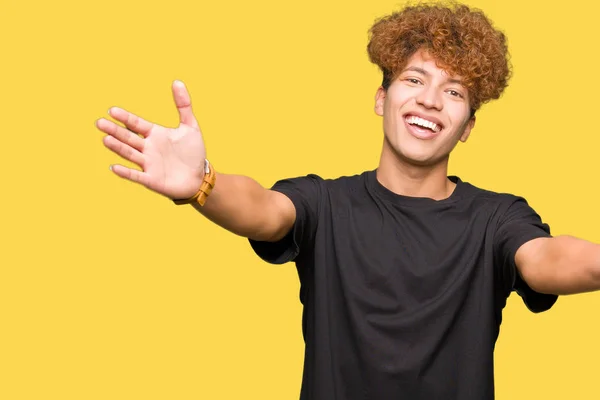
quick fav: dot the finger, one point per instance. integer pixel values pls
(125, 151)
(130, 174)
(121, 134)
(131, 121)
(183, 103)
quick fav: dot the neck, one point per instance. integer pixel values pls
(409, 179)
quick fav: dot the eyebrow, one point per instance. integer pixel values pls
(423, 72)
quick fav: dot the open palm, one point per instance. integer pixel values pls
(171, 159)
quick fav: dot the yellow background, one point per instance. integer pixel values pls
(108, 291)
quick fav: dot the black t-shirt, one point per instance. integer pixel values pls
(402, 296)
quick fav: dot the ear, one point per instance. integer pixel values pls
(468, 128)
(379, 101)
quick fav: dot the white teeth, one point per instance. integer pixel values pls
(413, 120)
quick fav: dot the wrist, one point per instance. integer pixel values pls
(209, 178)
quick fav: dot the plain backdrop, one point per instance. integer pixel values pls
(109, 291)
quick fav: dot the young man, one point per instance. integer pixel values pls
(404, 271)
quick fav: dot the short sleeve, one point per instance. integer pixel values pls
(520, 224)
(305, 194)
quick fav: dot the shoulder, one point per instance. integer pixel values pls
(514, 218)
(487, 195)
(313, 191)
(347, 182)
(503, 208)
(344, 182)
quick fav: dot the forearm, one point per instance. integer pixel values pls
(241, 205)
(567, 265)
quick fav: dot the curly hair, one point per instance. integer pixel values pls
(461, 40)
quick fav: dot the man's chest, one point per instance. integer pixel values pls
(403, 258)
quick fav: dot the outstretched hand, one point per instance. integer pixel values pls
(171, 159)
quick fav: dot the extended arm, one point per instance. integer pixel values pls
(560, 265)
(172, 164)
(242, 206)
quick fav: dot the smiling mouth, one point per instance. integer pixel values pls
(423, 123)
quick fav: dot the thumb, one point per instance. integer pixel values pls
(183, 103)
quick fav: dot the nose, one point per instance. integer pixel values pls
(429, 98)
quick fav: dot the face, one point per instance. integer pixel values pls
(425, 112)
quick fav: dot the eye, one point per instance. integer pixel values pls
(455, 93)
(414, 81)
